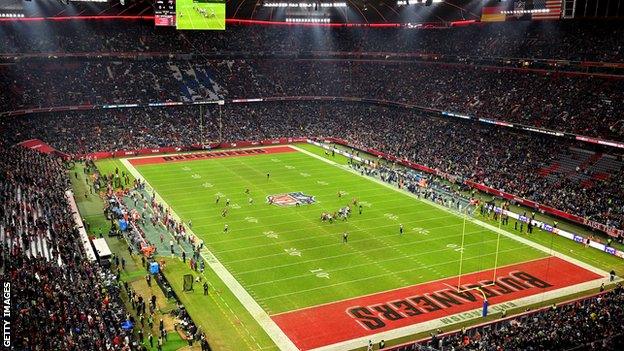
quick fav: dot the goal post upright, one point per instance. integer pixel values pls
(461, 250)
(459, 288)
(500, 222)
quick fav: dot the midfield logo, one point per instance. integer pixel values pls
(291, 199)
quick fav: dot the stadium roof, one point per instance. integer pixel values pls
(349, 11)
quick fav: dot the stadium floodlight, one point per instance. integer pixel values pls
(308, 20)
(11, 15)
(522, 12)
(416, 2)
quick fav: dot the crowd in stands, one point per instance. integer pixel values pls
(490, 155)
(559, 102)
(65, 302)
(564, 40)
(60, 300)
(111, 130)
(592, 324)
(42, 254)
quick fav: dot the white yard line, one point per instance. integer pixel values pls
(284, 343)
(389, 273)
(473, 220)
(262, 318)
(434, 324)
(291, 231)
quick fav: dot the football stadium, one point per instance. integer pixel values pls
(187, 175)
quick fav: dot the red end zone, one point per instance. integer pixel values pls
(210, 155)
(340, 321)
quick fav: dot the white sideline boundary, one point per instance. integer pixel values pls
(284, 343)
(262, 318)
(470, 219)
(434, 324)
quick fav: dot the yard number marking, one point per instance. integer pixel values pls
(293, 252)
(455, 247)
(251, 219)
(271, 234)
(320, 273)
(391, 216)
(422, 231)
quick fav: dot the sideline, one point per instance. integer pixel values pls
(262, 318)
(432, 325)
(282, 340)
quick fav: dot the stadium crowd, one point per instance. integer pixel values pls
(60, 300)
(493, 156)
(67, 303)
(593, 324)
(563, 40)
(559, 102)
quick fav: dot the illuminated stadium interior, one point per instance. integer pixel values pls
(312, 175)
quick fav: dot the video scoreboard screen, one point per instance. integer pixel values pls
(200, 14)
(165, 12)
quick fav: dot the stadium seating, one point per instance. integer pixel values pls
(62, 300)
(543, 40)
(572, 326)
(530, 99)
(486, 154)
(67, 303)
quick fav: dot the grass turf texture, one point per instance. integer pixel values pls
(90, 207)
(187, 16)
(558, 243)
(225, 321)
(230, 339)
(281, 272)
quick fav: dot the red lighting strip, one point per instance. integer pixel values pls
(228, 21)
(76, 18)
(462, 23)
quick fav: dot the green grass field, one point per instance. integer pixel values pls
(188, 15)
(281, 254)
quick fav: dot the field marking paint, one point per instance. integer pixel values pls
(130, 157)
(441, 320)
(390, 290)
(299, 229)
(338, 244)
(308, 209)
(473, 220)
(283, 342)
(325, 235)
(367, 251)
(389, 273)
(249, 303)
(431, 325)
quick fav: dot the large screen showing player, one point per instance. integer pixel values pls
(200, 14)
